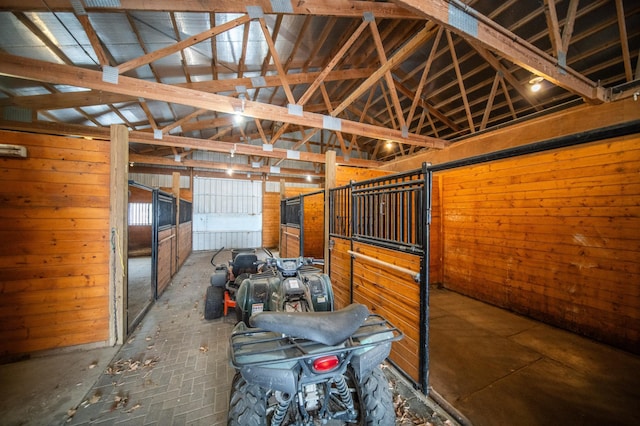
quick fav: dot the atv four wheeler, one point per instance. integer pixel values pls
(225, 280)
(275, 284)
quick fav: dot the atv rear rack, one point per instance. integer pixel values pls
(254, 346)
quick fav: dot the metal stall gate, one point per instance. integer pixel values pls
(291, 231)
(302, 225)
(379, 234)
(164, 231)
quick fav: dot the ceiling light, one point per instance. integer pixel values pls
(389, 144)
(308, 178)
(536, 84)
(229, 172)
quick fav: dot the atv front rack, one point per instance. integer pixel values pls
(254, 346)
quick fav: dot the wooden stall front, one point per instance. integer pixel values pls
(54, 259)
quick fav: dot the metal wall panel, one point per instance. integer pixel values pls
(226, 213)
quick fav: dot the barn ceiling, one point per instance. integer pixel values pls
(268, 86)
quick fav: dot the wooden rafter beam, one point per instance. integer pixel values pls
(181, 45)
(388, 78)
(409, 48)
(208, 165)
(19, 67)
(341, 8)
(177, 142)
(94, 97)
(505, 43)
(624, 42)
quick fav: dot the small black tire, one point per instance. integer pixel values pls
(247, 404)
(213, 306)
(376, 401)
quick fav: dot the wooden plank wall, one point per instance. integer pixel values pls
(290, 242)
(166, 257)
(270, 219)
(185, 243)
(340, 271)
(436, 243)
(54, 259)
(555, 236)
(314, 225)
(393, 295)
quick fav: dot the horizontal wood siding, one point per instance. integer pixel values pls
(290, 242)
(341, 272)
(436, 246)
(54, 256)
(186, 242)
(166, 257)
(345, 174)
(314, 225)
(393, 295)
(270, 219)
(555, 236)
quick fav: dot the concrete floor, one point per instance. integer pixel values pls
(498, 368)
(494, 367)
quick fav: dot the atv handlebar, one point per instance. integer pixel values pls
(288, 265)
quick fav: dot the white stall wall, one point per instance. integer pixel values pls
(226, 213)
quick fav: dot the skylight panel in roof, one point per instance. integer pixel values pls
(103, 3)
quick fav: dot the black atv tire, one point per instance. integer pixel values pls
(376, 402)
(247, 404)
(214, 302)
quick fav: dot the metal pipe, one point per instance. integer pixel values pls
(415, 275)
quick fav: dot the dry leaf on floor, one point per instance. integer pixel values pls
(135, 407)
(95, 398)
(204, 348)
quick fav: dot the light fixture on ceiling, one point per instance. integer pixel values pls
(229, 172)
(536, 84)
(308, 178)
(238, 110)
(389, 145)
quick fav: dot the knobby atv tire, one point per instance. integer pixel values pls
(247, 404)
(376, 402)
(213, 306)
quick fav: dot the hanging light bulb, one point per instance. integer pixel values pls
(536, 84)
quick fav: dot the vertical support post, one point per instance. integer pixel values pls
(118, 223)
(352, 233)
(424, 280)
(176, 193)
(330, 170)
(301, 222)
(281, 226)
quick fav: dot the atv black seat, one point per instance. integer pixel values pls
(328, 328)
(244, 262)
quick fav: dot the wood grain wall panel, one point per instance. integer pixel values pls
(341, 272)
(185, 245)
(314, 225)
(555, 236)
(345, 174)
(166, 257)
(290, 242)
(270, 219)
(436, 247)
(55, 212)
(393, 295)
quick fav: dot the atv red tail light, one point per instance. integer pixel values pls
(325, 364)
